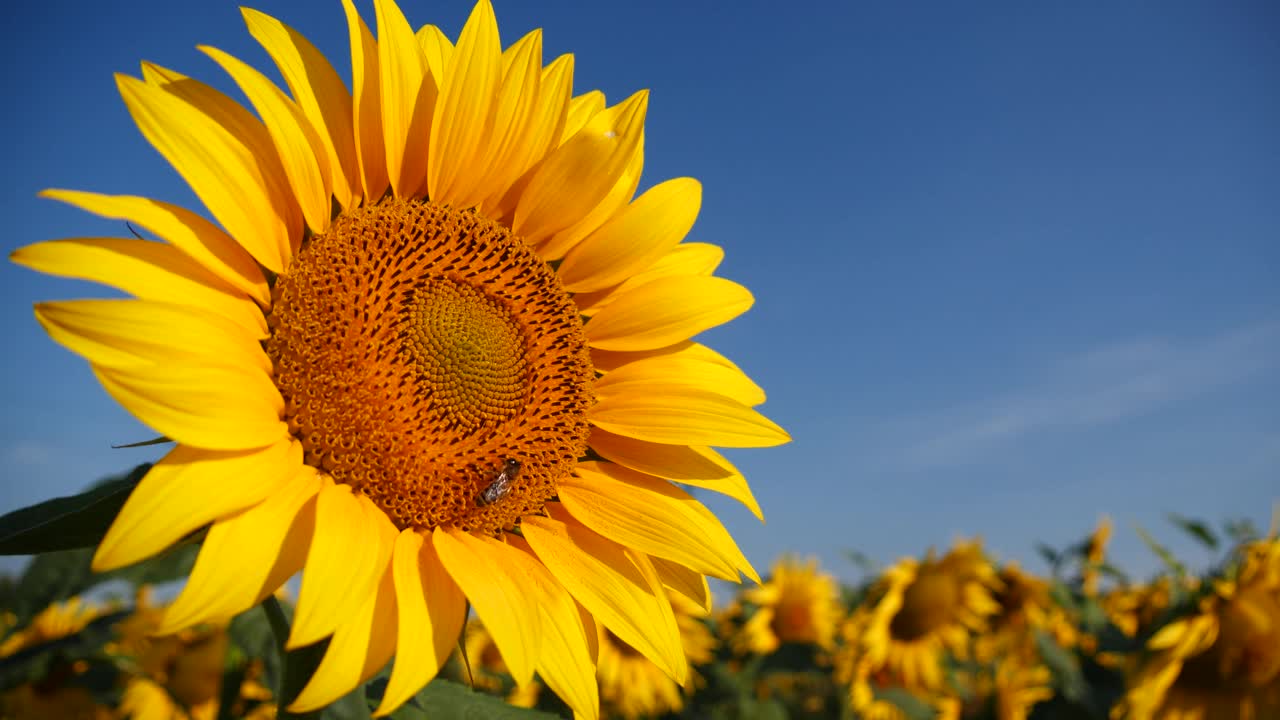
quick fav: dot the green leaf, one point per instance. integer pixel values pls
(1196, 529)
(1162, 552)
(1241, 530)
(55, 576)
(445, 700)
(67, 523)
(1067, 675)
(911, 705)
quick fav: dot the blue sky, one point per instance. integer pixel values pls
(1015, 266)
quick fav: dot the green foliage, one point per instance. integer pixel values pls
(67, 523)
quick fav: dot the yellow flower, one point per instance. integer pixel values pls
(56, 695)
(430, 313)
(919, 610)
(56, 621)
(1025, 607)
(798, 604)
(1134, 610)
(631, 686)
(1221, 662)
(1018, 688)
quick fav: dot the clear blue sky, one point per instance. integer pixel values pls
(1015, 266)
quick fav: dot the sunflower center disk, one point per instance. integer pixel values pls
(423, 351)
(927, 604)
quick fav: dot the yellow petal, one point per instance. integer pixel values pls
(464, 113)
(211, 407)
(700, 467)
(581, 109)
(678, 415)
(681, 370)
(684, 259)
(666, 311)
(554, 247)
(618, 587)
(301, 151)
(541, 135)
(137, 333)
(496, 582)
(248, 556)
(608, 360)
(199, 239)
(221, 169)
(408, 96)
(652, 516)
(238, 121)
(349, 552)
(565, 662)
(634, 238)
(361, 645)
(577, 176)
(366, 106)
(515, 110)
(147, 270)
(432, 610)
(687, 583)
(319, 93)
(189, 488)
(436, 49)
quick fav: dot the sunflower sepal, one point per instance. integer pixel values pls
(67, 523)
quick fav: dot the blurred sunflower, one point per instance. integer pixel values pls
(919, 610)
(1221, 662)
(428, 301)
(797, 604)
(58, 620)
(1135, 610)
(58, 694)
(1026, 607)
(1018, 688)
(631, 686)
(488, 672)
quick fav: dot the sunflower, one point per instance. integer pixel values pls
(486, 670)
(59, 693)
(631, 686)
(1018, 688)
(798, 604)
(1222, 661)
(432, 342)
(919, 610)
(1026, 607)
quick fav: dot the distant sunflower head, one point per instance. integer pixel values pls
(920, 609)
(633, 687)
(798, 604)
(58, 620)
(429, 311)
(1222, 661)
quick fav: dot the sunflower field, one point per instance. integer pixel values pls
(426, 361)
(954, 634)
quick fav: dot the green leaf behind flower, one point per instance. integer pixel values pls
(67, 523)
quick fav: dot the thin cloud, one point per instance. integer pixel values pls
(30, 454)
(1094, 388)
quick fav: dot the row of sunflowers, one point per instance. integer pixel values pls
(950, 635)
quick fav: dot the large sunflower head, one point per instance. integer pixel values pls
(1223, 660)
(798, 604)
(430, 338)
(919, 610)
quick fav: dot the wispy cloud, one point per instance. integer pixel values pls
(29, 454)
(1093, 388)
